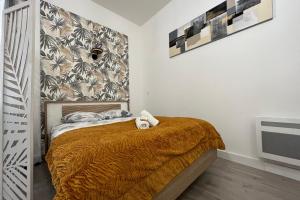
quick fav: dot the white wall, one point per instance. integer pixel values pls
(92, 11)
(228, 82)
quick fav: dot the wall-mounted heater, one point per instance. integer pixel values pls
(279, 139)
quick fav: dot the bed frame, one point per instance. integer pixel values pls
(54, 111)
(183, 180)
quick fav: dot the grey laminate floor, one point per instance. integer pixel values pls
(224, 180)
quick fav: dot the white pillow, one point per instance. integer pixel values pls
(92, 117)
(80, 117)
(111, 114)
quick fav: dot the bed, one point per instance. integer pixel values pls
(118, 161)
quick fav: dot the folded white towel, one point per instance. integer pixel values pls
(143, 118)
(152, 120)
(141, 124)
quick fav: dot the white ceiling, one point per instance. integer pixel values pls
(137, 11)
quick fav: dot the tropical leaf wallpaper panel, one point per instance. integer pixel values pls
(67, 70)
(68, 73)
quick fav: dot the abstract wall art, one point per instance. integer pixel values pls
(227, 18)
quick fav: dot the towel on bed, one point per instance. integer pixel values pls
(152, 120)
(142, 123)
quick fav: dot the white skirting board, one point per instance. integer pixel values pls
(260, 164)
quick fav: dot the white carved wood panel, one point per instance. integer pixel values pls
(16, 150)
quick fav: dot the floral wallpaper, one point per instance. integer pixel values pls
(67, 70)
(68, 73)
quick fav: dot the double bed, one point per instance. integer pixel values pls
(115, 160)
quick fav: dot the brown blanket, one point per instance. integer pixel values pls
(118, 161)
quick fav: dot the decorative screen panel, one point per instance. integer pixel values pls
(16, 104)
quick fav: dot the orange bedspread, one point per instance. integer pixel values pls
(118, 161)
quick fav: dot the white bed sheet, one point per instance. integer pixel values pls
(58, 130)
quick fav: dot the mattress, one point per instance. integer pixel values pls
(118, 161)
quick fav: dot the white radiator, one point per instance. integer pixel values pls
(279, 139)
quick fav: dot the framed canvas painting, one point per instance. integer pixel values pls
(225, 19)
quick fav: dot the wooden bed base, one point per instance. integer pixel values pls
(183, 180)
